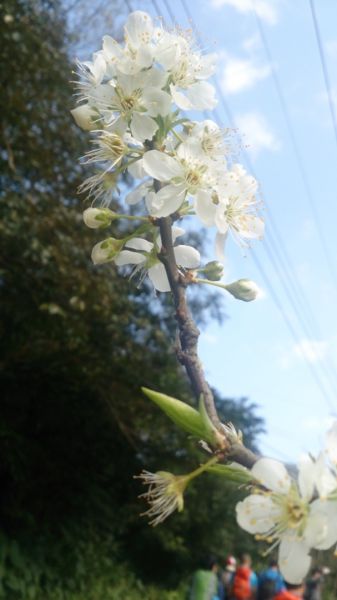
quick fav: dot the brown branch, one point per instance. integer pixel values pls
(188, 331)
(187, 352)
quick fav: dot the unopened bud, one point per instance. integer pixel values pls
(213, 270)
(106, 251)
(84, 116)
(243, 289)
(98, 218)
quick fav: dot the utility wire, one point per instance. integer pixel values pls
(324, 68)
(292, 331)
(289, 283)
(297, 154)
(269, 253)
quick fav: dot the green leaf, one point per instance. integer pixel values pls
(183, 415)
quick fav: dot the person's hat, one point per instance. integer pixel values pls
(230, 563)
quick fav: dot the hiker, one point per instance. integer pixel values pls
(314, 585)
(270, 582)
(205, 583)
(228, 575)
(244, 585)
(291, 592)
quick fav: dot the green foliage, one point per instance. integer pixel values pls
(76, 344)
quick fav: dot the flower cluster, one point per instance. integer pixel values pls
(133, 98)
(294, 514)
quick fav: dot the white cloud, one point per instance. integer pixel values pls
(252, 43)
(256, 133)
(241, 74)
(311, 350)
(265, 9)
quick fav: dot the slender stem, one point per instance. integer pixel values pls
(187, 353)
(131, 217)
(188, 331)
(215, 283)
(203, 467)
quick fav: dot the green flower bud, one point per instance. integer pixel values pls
(85, 116)
(183, 415)
(106, 251)
(98, 218)
(213, 270)
(243, 289)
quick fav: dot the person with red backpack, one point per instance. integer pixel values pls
(244, 581)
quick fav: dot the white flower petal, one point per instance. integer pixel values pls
(256, 514)
(111, 49)
(187, 257)
(144, 57)
(138, 28)
(161, 166)
(331, 443)
(139, 244)
(272, 474)
(326, 481)
(167, 51)
(201, 96)
(127, 257)
(253, 227)
(136, 170)
(321, 529)
(158, 276)
(165, 202)
(138, 193)
(156, 102)
(142, 127)
(294, 560)
(204, 207)
(181, 100)
(98, 68)
(177, 232)
(306, 476)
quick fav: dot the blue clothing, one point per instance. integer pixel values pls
(253, 580)
(272, 575)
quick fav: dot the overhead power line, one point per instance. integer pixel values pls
(276, 255)
(279, 258)
(297, 154)
(324, 68)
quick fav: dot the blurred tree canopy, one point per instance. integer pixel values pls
(77, 342)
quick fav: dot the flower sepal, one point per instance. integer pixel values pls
(185, 416)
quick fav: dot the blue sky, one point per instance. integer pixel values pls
(280, 350)
(292, 376)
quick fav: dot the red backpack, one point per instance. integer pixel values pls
(241, 589)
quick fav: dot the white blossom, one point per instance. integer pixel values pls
(144, 256)
(186, 173)
(285, 515)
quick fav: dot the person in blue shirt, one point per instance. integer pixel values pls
(270, 582)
